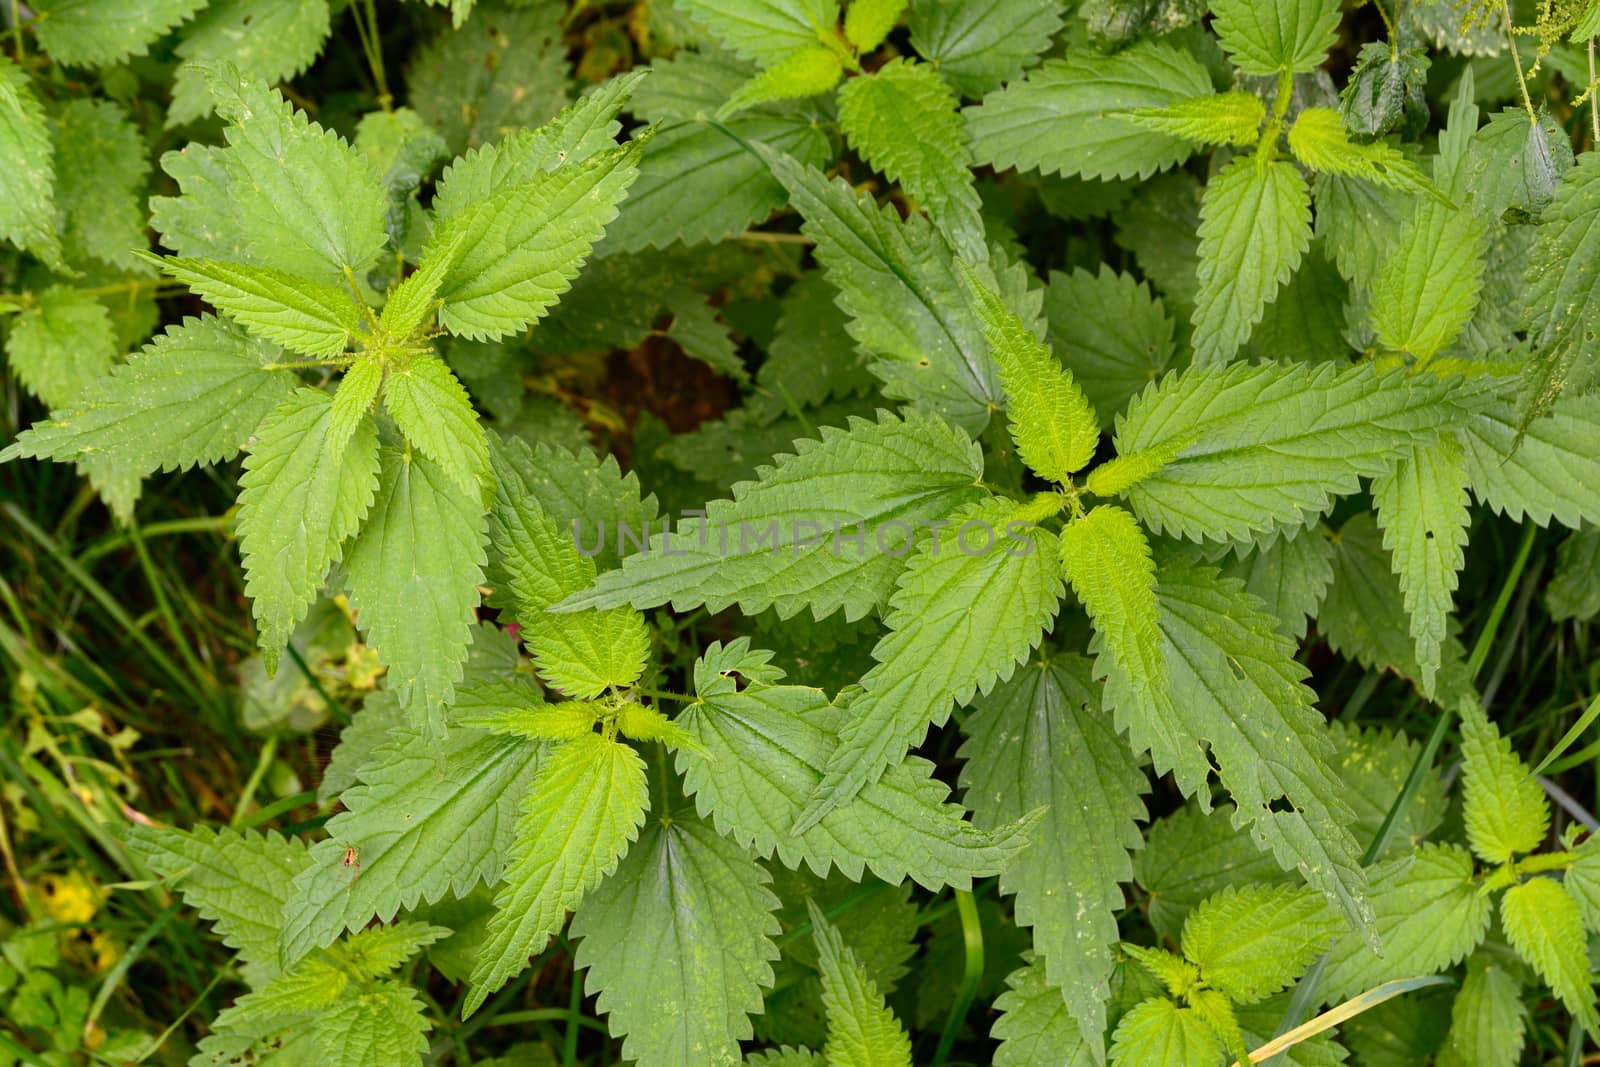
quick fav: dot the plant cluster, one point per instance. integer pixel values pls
(1079, 390)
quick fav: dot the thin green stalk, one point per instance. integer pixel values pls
(163, 606)
(972, 942)
(1516, 58)
(269, 752)
(113, 542)
(16, 32)
(569, 1046)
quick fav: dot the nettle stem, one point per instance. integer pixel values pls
(1516, 58)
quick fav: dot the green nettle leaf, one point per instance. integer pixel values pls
(522, 246)
(27, 169)
(194, 395)
(1543, 924)
(583, 810)
(978, 45)
(868, 22)
(1291, 575)
(902, 119)
(1319, 140)
(581, 654)
(1240, 689)
(61, 344)
(1191, 854)
(298, 502)
(238, 881)
(1504, 807)
(1220, 119)
(413, 573)
(1158, 1033)
(765, 31)
(785, 1056)
(696, 182)
(1252, 941)
(353, 400)
(1554, 472)
(681, 889)
(898, 281)
(101, 169)
(808, 72)
(1255, 224)
(376, 1027)
(1422, 508)
(1488, 1020)
(1068, 115)
(303, 316)
(1426, 289)
(1266, 447)
(94, 33)
(1055, 429)
(1430, 914)
(1041, 740)
(862, 1031)
(270, 41)
(1034, 1026)
(1110, 332)
(1563, 287)
(1281, 35)
(760, 754)
(1106, 557)
(283, 193)
(968, 609)
(1572, 593)
(427, 819)
(435, 413)
(828, 527)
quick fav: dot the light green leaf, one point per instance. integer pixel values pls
(584, 494)
(379, 1027)
(1041, 740)
(1554, 472)
(1034, 1025)
(1291, 575)
(353, 399)
(194, 395)
(1158, 1033)
(584, 809)
(967, 610)
(283, 193)
(303, 316)
(94, 33)
(102, 165)
(1504, 807)
(269, 41)
(1191, 854)
(238, 881)
(428, 819)
(1055, 429)
(1422, 509)
(298, 502)
(1320, 141)
(413, 573)
(1064, 117)
(785, 1056)
(1110, 332)
(868, 22)
(902, 120)
(862, 1031)
(682, 890)
(765, 31)
(435, 413)
(1253, 941)
(1426, 289)
(522, 247)
(1242, 694)
(898, 281)
(1232, 118)
(1430, 914)
(1562, 286)
(1583, 882)
(1269, 446)
(27, 169)
(1357, 221)
(979, 45)
(808, 72)
(581, 654)
(1106, 557)
(1255, 224)
(760, 754)
(1276, 35)
(61, 344)
(1488, 1020)
(788, 539)
(1543, 924)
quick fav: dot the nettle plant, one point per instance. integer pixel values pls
(1093, 535)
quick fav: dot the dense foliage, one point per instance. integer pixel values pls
(787, 532)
